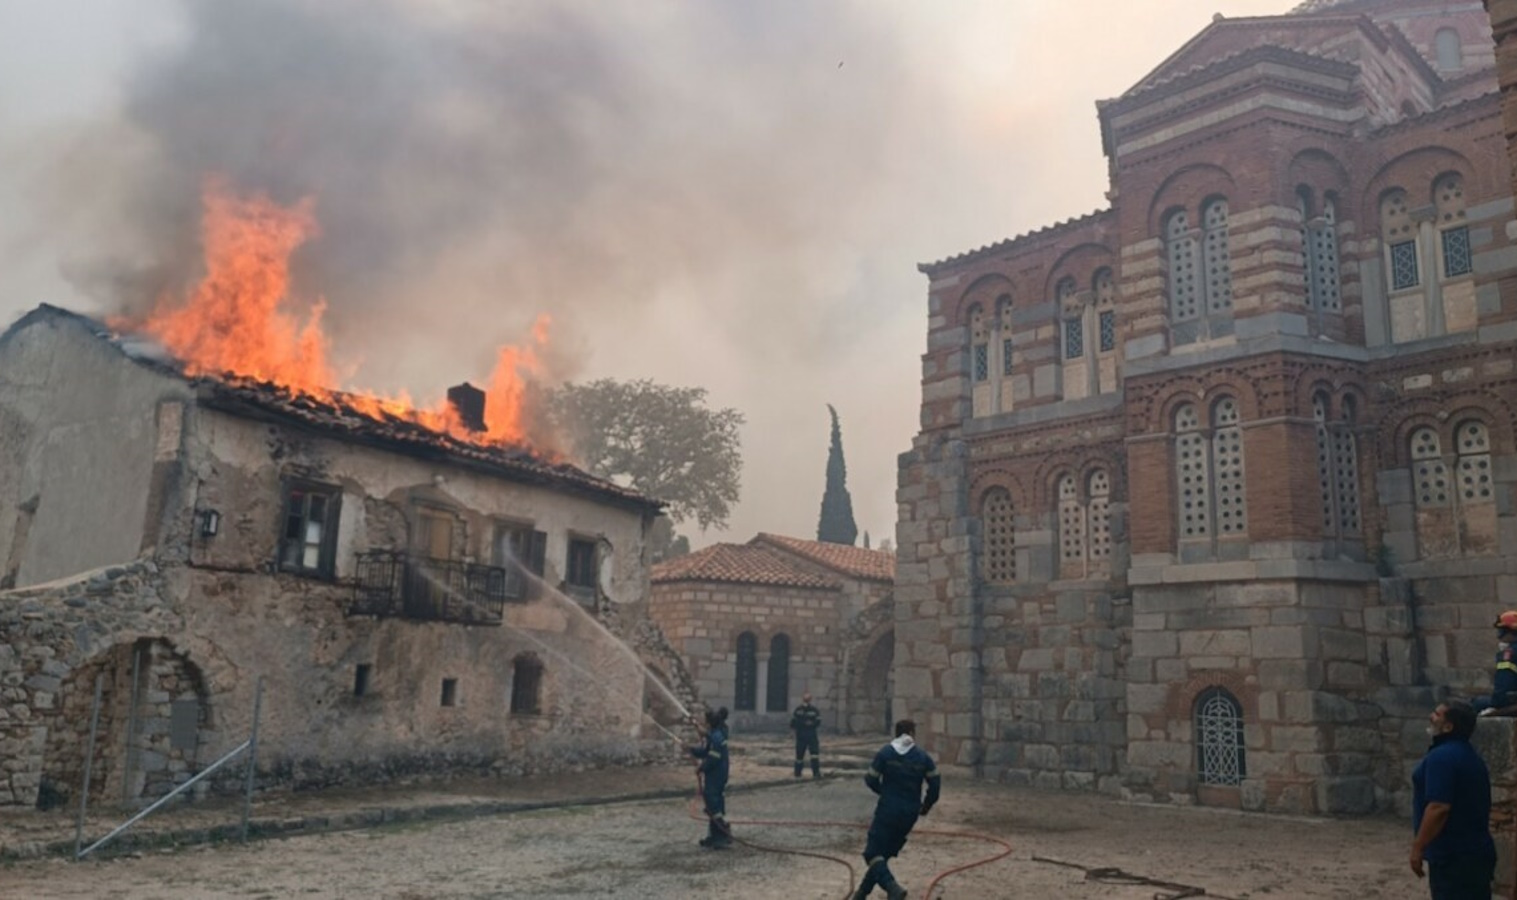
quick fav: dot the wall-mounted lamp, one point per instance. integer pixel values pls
(210, 523)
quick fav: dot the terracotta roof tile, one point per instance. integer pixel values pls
(740, 564)
(854, 562)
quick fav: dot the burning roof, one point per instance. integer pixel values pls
(347, 417)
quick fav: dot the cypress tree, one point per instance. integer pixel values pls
(836, 525)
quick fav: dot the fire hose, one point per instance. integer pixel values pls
(695, 812)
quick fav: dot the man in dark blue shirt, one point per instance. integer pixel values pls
(897, 775)
(1451, 810)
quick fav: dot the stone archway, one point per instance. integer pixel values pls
(874, 687)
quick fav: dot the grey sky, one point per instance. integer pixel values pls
(725, 194)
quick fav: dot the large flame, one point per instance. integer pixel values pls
(243, 320)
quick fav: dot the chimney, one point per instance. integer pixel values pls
(469, 402)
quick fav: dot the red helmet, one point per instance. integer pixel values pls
(1507, 620)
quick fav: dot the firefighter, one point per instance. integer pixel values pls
(896, 775)
(805, 722)
(714, 764)
(1504, 683)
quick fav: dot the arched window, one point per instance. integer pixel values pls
(1474, 463)
(1400, 235)
(1220, 755)
(1073, 316)
(526, 685)
(1192, 475)
(1003, 321)
(1346, 470)
(1430, 476)
(1071, 528)
(1217, 258)
(1453, 230)
(1100, 515)
(1227, 466)
(1105, 287)
(1325, 465)
(1184, 285)
(1448, 50)
(778, 692)
(998, 562)
(979, 343)
(1321, 235)
(745, 678)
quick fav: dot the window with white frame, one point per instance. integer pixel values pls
(1217, 257)
(1453, 229)
(998, 560)
(1184, 280)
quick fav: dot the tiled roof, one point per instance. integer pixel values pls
(251, 398)
(739, 564)
(855, 562)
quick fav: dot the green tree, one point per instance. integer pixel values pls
(661, 441)
(836, 525)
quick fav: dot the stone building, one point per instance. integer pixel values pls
(1214, 489)
(413, 602)
(758, 624)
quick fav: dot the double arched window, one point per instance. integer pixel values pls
(998, 553)
(1209, 481)
(992, 362)
(1337, 468)
(1454, 493)
(1200, 279)
(1084, 515)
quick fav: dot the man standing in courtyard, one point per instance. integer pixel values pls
(896, 774)
(1451, 810)
(806, 721)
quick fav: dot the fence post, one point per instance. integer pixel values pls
(247, 801)
(89, 759)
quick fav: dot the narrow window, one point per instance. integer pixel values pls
(979, 344)
(1325, 477)
(1100, 515)
(1108, 330)
(1322, 258)
(450, 692)
(1400, 235)
(1430, 475)
(1227, 466)
(1453, 232)
(581, 570)
(998, 563)
(1071, 526)
(521, 552)
(1346, 471)
(1003, 322)
(778, 692)
(1184, 288)
(1474, 463)
(361, 679)
(745, 688)
(1448, 50)
(1220, 758)
(526, 685)
(308, 544)
(1069, 309)
(1006, 357)
(1218, 258)
(1192, 476)
(1074, 339)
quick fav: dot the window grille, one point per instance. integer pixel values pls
(1100, 515)
(1404, 272)
(1430, 474)
(979, 342)
(526, 685)
(999, 560)
(1218, 258)
(1071, 521)
(1220, 753)
(1322, 254)
(1006, 357)
(1184, 288)
(1192, 477)
(1346, 477)
(1074, 339)
(1457, 259)
(1227, 460)
(1474, 463)
(745, 686)
(1108, 331)
(981, 362)
(1004, 318)
(1325, 474)
(778, 692)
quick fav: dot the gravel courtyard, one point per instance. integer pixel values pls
(648, 849)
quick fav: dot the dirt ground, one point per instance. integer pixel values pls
(647, 849)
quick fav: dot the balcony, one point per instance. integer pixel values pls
(394, 584)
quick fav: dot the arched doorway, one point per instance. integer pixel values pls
(877, 686)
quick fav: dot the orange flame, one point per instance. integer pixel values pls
(242, 320)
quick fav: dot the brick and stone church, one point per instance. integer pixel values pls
(1213, 496)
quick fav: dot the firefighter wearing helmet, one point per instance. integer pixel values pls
(1504, 683)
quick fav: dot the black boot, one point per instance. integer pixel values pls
(816, 767)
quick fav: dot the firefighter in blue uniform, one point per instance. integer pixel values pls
(714, 764)
(805, 722)
(896, 774)
(1504, 684)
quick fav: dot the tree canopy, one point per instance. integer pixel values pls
(661, 441)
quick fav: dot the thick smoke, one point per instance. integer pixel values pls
(475, 164)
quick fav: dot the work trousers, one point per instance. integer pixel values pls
(1461, 878)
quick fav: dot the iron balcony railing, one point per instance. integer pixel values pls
(396, 584)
